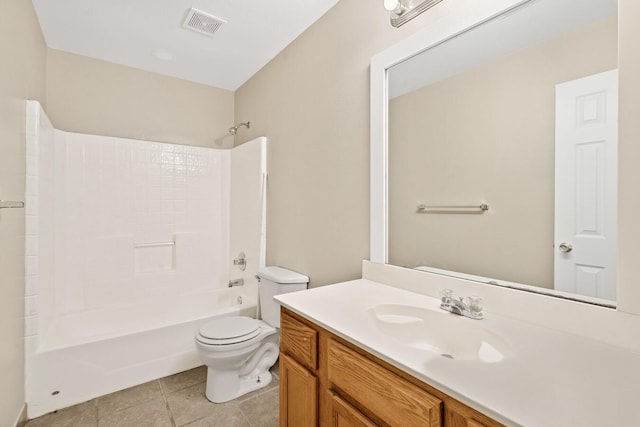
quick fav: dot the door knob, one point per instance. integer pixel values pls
(565, 247)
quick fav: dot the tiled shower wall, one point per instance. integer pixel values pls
(39, 136)
(115, 221)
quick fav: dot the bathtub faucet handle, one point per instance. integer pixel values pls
(241, 261)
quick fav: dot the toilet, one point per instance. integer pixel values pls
(239, 350)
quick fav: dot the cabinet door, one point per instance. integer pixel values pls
(298, 395)
(345, 415)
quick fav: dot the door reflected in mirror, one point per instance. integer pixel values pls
(520, 114)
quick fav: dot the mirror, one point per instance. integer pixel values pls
(502, 152)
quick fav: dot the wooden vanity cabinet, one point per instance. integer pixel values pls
(298, 394)
(458, 415)
(326, 381)
(298, 373)
(344, 415)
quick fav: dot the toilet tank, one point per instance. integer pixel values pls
(276, 281)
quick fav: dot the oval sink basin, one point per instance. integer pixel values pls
(451, 336)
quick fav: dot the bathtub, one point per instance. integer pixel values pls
(85, 355)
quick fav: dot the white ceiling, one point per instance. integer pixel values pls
(128, 32)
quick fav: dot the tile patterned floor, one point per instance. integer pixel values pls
(174, 401)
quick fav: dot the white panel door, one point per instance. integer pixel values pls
(586, 185)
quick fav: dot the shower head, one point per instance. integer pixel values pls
(234, 129)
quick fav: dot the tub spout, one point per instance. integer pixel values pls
(236, 282)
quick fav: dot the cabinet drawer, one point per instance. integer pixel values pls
(389, 397)
(299, 340)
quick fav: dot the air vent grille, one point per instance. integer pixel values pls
(202, 22)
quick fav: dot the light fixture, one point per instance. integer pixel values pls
(391, 5)
(402, 11)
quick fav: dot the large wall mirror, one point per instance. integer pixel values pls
(501, 152)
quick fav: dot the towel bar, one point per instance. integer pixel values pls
(431, 208)
(6, 204)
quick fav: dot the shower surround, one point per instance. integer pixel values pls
(127, 253)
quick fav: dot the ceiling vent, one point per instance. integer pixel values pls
(202, 22)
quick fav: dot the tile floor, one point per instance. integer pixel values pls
(177, 400)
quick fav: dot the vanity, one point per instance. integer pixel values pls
(362, 353)
(327, 380)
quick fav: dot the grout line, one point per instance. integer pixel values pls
(258, 393)
(166, 403)
(204, 380)
(97, 411)
(162, 390)
(246, 418)
(98, 407)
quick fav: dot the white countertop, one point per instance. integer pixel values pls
(551, 378)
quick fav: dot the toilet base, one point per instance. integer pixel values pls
(225, 386)
(237, 369)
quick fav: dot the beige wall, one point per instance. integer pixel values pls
(629, 156)
(312, 101)
(22, 76)
(487, 135)
(91, 96)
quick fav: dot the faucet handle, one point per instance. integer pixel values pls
(446, 295)
(475, 304)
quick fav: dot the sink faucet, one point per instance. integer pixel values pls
(471, 308)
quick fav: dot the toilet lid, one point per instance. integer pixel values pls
(227, 330)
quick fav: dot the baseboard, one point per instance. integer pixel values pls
(22, 417)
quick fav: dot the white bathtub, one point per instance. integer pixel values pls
(89, 354)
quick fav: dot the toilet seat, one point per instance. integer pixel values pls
(229, 330)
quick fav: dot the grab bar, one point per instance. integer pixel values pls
(6, 204)
(432, 208)
(153, 244)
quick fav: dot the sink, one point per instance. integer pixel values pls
(451, 336)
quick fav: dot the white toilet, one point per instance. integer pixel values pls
(239, 350)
